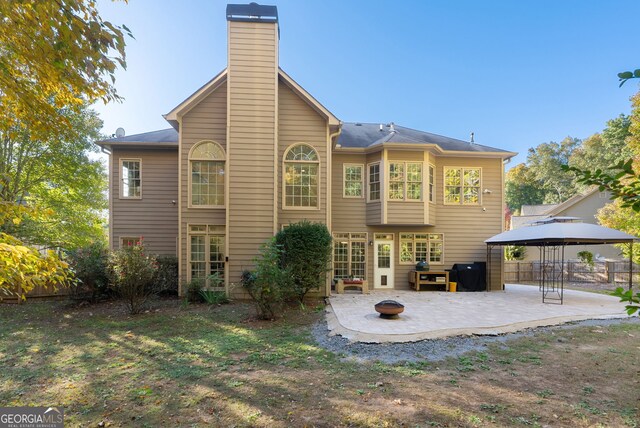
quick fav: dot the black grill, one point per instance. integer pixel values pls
(470, 277)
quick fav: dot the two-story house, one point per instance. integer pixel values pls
(251, 151)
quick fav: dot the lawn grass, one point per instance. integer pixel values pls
(217, 366)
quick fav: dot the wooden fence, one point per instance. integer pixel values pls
(574, 271)
(37, 292)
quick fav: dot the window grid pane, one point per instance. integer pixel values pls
(341, 259)
(302, 152)
(374, 182)
(207, 183)
(432, 176)
(384, 255)
(130, 179)
(353, 181)
(301, 184)
(396, 181)
(435, 251)
(216, 255)
(358, 259)
(198, 264)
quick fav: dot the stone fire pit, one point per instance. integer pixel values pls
(389, 309)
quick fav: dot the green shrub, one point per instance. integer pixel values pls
(515, 252)
(166, 279)
(212, 297)
(306, 253)
(270, 284)
(132, 272)
(586, 257)
(194, 290)
(90, 266)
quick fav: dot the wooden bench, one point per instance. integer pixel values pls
(363, 285)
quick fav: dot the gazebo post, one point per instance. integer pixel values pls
(488, 271)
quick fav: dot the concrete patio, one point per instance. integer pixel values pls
(430, 315)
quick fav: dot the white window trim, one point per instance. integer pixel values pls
(122, 238)
(190, 174)
(350, 241)
(368, 191)
(286, 207)
(405, 163)
(444, 185)
(432, 195)
(400, 240)
(121, 187)
(207, 246)
(344, 180)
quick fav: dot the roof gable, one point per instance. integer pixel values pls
(308, 98)
(572, 201)
(195, 98)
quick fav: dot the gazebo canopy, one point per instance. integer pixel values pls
(561, 234)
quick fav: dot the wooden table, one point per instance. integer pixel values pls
(428, 277)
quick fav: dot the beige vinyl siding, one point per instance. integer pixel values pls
(154, 216)
(347, 214)
(374, 213)
(401, 155)
(299, 123)
(467, 226)
(407, 212)
(205, 121)
(252, 136)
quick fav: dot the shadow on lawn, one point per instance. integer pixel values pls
(201, 366)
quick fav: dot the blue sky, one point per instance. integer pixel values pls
(516, 73)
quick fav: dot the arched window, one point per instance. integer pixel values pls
(206, 162)
(301, 168)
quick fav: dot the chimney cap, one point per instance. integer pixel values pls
(252, 12)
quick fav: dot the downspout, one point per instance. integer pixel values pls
(335, 134)
(329, 191)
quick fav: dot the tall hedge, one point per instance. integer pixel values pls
(306, 253)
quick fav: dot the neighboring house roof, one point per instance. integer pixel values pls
(572, 201)
(161, 138)
(541, 209)
(369, 135)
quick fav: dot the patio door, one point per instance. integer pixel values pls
(383, 264)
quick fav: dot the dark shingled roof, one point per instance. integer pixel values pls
(353, 135)
(169, 135)
(362, 135)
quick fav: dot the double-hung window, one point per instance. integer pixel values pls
(350, 255)
(432, 183)
(301, 173)
(462, 186)
(405, 181)
(353, 181)
(374, 182)
(130, 178)
(207, 164)
(417, 247)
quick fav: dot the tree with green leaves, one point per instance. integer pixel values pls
(522, 188)
(59, 175)
(55, 55)
(545, 163)
(604, 149)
